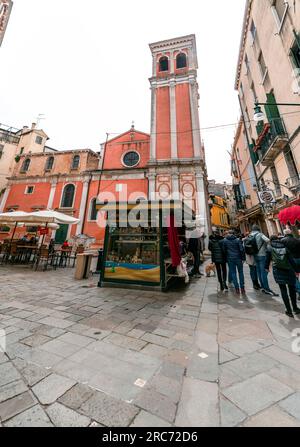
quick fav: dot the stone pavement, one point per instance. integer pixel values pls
(78, 355)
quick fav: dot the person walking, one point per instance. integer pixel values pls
(215, 246)
(284, 272)
(293, 246)
(235, 256)
(194, 246)
(256, 245)
(251, 263)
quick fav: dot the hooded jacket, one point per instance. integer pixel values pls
(293, 245)
(233, 249)
(281, 276)
(215, 246)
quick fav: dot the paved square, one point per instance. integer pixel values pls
(78, 355)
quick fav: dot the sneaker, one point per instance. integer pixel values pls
(243, 291)
(289, 314)
(267, 292)
(274, 293)
(256, 287)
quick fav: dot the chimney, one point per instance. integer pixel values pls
(33, 126)
(25, 128)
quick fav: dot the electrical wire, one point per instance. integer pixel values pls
(220, 126)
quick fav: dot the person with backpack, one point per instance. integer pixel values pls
(251, 263)
(284, 272)
(235, 256)
(256, 245)
(218, 258)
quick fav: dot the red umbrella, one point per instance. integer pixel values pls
(290, 215)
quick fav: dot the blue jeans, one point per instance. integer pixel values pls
(261, 271)
(234, 267)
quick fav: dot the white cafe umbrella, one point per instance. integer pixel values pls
(13, 216)
(50, 216)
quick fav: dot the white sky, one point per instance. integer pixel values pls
(85, 64)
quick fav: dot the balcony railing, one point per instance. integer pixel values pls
(271, 141)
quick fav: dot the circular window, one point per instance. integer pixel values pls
(131, 159)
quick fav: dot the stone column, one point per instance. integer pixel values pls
(195, 117)
(172, 65)
(175, 186)
(202, 204)
(173, 121)
(153, 124)
(82, 206)
(4, 199)
(52, 194)
(152, 186)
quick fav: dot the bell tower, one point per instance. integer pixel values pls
(177, 162)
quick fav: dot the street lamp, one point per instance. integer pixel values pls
(259, 114)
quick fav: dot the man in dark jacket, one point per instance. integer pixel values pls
(284, 269)
(215, 246)
(293, 246)
(235, 256)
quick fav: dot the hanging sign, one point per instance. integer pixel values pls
(43, 231)
(266, 197)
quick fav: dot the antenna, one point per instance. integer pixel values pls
(40, 117)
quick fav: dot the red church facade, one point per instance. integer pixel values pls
(168, 163)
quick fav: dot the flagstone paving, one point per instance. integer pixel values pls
(77, 355)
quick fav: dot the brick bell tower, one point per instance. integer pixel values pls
(177, 162)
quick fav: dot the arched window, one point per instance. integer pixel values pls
(93, 210)
(164, 64)
(25, 165)
(68, 196)
(49, 163)
(75, 162)
(181, 60)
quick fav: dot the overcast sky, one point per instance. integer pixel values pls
(85, 64)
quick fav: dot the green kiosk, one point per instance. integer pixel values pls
(136, 249)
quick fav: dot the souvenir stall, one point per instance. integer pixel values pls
(143, 246)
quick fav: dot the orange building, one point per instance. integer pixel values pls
(168, 163)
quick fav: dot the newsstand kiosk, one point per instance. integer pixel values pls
(137, 248)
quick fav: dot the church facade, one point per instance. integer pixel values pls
(168, 163)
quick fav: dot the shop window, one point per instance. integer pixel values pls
(68, 196)
(164, 64)
(181, 61)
